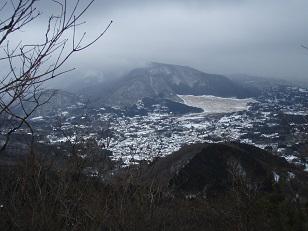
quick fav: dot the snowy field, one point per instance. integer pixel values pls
(213, 104)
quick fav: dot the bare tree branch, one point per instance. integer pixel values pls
(30, 65)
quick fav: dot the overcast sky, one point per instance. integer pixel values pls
(256, 37)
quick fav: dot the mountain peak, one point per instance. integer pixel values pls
(167, 81)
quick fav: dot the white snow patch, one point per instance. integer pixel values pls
(298, 113)
(303, 90)
(212, 104)
(276, 177)
(64, 113)
(290, 158)
(39, 118)
(291, 175)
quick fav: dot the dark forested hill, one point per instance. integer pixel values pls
(213, 168)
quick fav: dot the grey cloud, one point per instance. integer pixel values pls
(259, 37)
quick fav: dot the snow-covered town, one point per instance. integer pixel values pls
(275, 121)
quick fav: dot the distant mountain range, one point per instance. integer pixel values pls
(51, 101)
(258, 82)
(164, 81)
(155, 84)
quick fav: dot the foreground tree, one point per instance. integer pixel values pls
(26, 66)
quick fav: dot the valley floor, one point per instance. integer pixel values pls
(276, 121)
